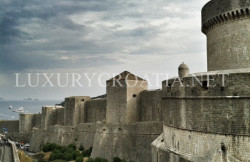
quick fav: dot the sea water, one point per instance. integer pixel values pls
(29, 106)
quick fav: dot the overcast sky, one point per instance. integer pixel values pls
(96, 36)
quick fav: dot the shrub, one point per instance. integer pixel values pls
(46, 148)
(61, 152)
(52, 157)
(117, 159)
(90, 160)
(97, 160)
(56, 154)
(87, 153)
(64, 153)
(50, 147)
(101, 160)
(73, 146)
(67, 156)
(81, 148)
(68, 149)
(59, 161)
(79, 159)
(76, 154)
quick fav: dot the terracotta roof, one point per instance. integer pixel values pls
(125, 75)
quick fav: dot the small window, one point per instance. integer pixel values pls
(223, 147)
(82, 100)
(134, 95)
(204, 85)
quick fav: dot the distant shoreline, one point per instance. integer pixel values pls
(31, 100)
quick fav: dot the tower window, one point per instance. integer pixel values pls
(223, 147)
(134, 95)
(204, 85)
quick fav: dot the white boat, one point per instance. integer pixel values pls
(20, 109)
(10, 107)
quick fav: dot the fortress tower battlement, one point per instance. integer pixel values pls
(221, 11)
(226, 23)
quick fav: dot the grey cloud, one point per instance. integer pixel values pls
(36, 34)
(106, 35)
(19, 62)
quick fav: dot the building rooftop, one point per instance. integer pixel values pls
(126, 75)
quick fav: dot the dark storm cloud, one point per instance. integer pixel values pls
(15, 13)
(94, 36)
(33, 34)
(45, 34)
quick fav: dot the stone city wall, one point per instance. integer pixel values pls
(28, 121)
(149, 106)
(60, 116)
(204, 113)
(234, 83)
(200, 146)
(11, 125)
(83, 134)
(131, 141)
(73, 107)
(48, 116)
(95, 110)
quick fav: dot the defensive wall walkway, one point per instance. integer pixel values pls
(8, 153)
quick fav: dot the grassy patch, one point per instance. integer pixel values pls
(23, 157)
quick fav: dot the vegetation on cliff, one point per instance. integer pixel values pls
(115, 159)
(67, 153)
(23, 157)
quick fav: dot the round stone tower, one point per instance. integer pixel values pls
(226, 23)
